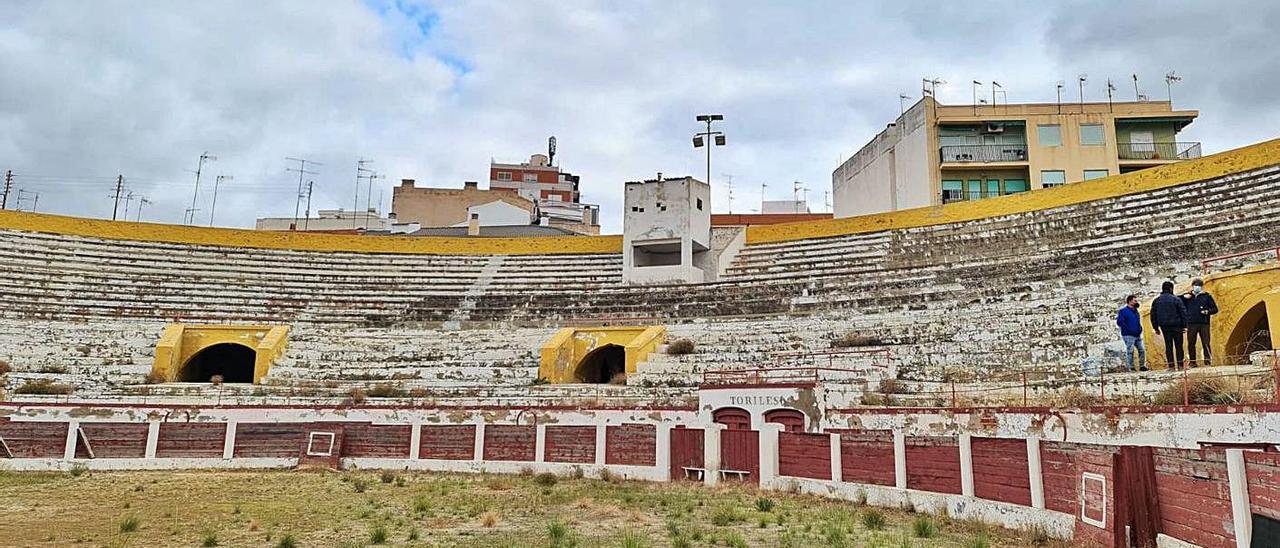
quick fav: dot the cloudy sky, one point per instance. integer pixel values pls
(434, 90)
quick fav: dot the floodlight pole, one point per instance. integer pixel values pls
(711, 138)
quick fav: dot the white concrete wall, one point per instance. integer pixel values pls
(498, 213)
(890, 172)
(666, 211)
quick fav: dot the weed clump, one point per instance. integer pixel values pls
(764, 504)
(854, 339)
(130, 524)
(387, 476)
(924, 527)
(209, 540)
(546, 479)
(1203, 389)
(378, 535)
(680, 347)
(873, 519)
(44, 387)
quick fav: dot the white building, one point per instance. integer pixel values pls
(666, 231)
(330, 220)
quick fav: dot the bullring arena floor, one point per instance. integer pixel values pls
(957, 362)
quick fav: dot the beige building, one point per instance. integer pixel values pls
(441, 207)
(935, 154)
(329, 220)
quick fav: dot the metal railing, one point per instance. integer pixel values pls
(1260, 255)
(983, 153)
(772, 376)
(1159, 151)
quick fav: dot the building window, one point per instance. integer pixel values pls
(1050, 135)
(1091, 134)
(952, 190)
(1014, 186)
(1091, 174)
(530, 177)
(1052, 178)
(504, 175)
(699, 204)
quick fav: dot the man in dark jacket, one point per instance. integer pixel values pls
(1169, 318)
(1131, 332)
(1200, 306)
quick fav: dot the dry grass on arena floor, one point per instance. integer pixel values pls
(364, 508)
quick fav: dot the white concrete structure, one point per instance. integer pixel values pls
(667, 231)
(498, 213)
(329, 220)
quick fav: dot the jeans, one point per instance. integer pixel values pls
(1129, 344)
(1200, 331)
(1173, 346)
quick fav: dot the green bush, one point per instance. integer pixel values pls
(387, 476)
(209, 540)
(378, 535)
(287, 542)
(360, 485)
(725, 515)
(873, 519)
(130, 524)
(546, 479)
(924, 527)
(43, 387)
(764, 504)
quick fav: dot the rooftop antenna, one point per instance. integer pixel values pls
(902, 103)
(216, 183)
(763, 186)
(1111, 88)
(728, 177)
(128, 199)
(994, 85)
(302, 170)
(306, 222)
(1082, 79)
(930, 86)
(1061, 85)
(551, 150)
(826, 200)
(1137, 95)
(361, 172)
(796, 187)
(976, 85)
(142, 202)
(1169, 79)
(368, 196)
(191, 213)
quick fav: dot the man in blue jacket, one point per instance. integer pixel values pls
(1169, 318)
(1131, 331)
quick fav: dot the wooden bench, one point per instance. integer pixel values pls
(739, 474)
(690, 472)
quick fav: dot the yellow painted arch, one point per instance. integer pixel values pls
(181, 342)
(1239, 294)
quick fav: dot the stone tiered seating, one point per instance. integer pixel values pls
(1029, 289)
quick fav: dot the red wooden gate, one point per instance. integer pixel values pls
(733, 417)
(1135, 497)
(740, 451)
(791, 420)
(686, 451)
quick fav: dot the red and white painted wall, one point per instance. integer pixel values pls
(1086, 476)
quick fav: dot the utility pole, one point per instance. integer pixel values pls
(119, 187)
(1137, 96)
(1082, 79)
(361, 172)
(763, 186)
(302, 170)
(141, 202)
(195, 194)
(22, 195)
(718, 137)
(128, 199)
(307, 222)
(216, 183)
(8, 184)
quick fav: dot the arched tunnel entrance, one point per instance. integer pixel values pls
(235, 362)
(1251, 334)
(607, 364)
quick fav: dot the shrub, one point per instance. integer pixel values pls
(287, 541)
(725, 515)
(413, 534)
(607, 476)
(1203, 389)
(733, 539)
(357, 395)
(560, 535)
(360, 485)
(378, 535)
(680, 347)
(130, 524)
(873, 519)
(853, 339)
(387, 476)
(546, 479)
(43, 387)
(764, 504)
(632, 539)
(924, 527)
(1076, 398)
(892, 386)
(980, 540)
(153, 378)
(386, 390)
(421, 504)
(54, 369)
(489, 519)
(209, 540)
(78, 470)
(401, 482)
(578, 473)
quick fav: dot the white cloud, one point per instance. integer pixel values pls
(142, 89)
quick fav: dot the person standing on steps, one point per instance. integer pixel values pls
(1169, 319)
(1131, 332)
(1200, 307)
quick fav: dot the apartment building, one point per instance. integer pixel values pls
(935, 154)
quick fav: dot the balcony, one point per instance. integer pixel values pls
(982, 153)
(1158, 151)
